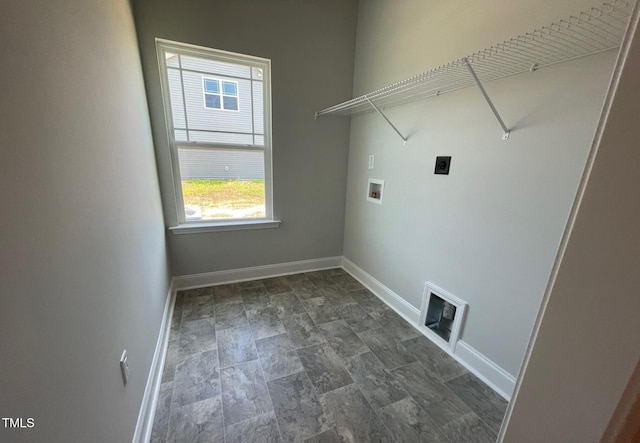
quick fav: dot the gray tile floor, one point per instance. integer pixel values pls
(311, 357)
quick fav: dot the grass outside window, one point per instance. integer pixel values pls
(223, 199)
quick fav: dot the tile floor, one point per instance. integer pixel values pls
(311, 357)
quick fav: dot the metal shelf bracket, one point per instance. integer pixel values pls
(583, 34)
(505, 130)
(404, 139)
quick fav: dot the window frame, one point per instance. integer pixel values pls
(222, 224)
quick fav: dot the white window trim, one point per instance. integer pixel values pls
(243, 225)
(221, 94)
(198, 226)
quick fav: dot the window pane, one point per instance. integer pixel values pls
(203, 118)
(212, 101)
(216, 99)
(215, 67)
(211, 85)
(172, 59)
(230, 103)
(180, 135)
(220, 137)
(222, 183)
(230, 88)
(177, 101)
(258, 107)
(256, 73)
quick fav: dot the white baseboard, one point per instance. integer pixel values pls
(147, 411)
(255, 272)
(500, 380)
(397, 303)
(485, 369)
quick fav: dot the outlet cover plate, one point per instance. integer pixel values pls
(442, 165)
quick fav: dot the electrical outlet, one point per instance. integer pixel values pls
(124, 367)
(442, 165)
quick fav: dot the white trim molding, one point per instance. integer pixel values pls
(255, 272)
(489, 372)
(147, 411)
(397, 303)
(493, 375)
(239, 225)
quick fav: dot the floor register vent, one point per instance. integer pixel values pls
(441, 316)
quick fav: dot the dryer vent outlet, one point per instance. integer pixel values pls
(442, 165)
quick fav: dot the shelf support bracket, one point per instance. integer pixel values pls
(404, 139)
(505, 130)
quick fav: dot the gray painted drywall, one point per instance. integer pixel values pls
(488, 232)
(84, 270)
(587, 345)
(311, 47)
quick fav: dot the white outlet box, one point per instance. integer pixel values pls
(375, 189)
(124, 367)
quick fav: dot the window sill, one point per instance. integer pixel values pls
(197, 228)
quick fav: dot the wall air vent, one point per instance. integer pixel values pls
(441, 316)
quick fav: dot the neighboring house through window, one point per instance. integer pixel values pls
(220, 97)
(221, 151)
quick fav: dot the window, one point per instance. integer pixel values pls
(221, 160)
(216, 97)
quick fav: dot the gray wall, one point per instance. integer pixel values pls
(587, 345)
(83, 271)
(489, 231)
(311, 47)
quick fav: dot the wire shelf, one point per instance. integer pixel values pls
(586, 33)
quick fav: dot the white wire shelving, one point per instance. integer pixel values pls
(587, 33)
